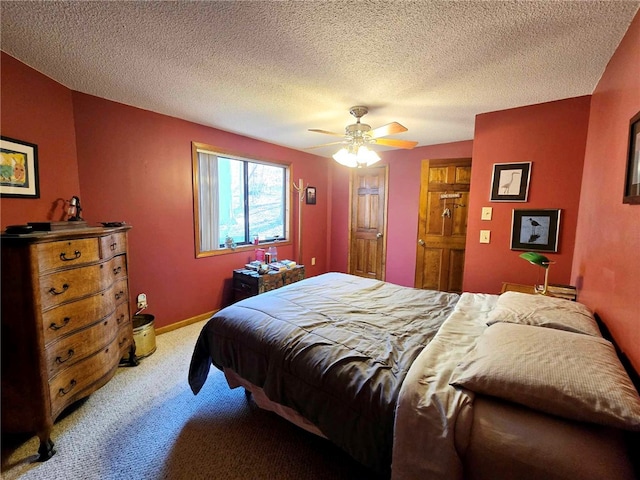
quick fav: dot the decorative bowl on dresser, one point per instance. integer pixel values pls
(66, 323)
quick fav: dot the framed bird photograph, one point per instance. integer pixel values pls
(510, 182)
(535, 230)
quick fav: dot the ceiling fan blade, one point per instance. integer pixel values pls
(324, 145)
(316, 130)
(388, 129)
(392, 142)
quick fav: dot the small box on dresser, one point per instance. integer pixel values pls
(66, 323)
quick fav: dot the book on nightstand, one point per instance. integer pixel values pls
(568, 292)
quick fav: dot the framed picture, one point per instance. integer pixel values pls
(632, 181)
(18, 169)
(535, 230)
(310, 195)
(510, 182)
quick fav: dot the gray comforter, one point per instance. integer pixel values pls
(335, 348)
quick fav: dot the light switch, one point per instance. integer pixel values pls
(486, 213)
(485, 236)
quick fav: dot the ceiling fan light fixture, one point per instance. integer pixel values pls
(363, 157)
(366, 156)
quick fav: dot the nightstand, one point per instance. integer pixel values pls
(247, 283)
(568, 292)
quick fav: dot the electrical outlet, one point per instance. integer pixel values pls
(486, 213)
(313, 260)
(485, 236)
(142, 301)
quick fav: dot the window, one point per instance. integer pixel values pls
(237, 199)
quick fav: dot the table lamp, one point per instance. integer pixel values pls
(541, 261)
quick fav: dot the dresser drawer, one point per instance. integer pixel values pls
(121, 291)
(70, 350)
(122, 315)
(70, 383)
(65, 319)
(67, 253)
(112, 245)
(125, 340)
(67, 285)
(118, 267)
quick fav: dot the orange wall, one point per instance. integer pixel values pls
(606, 262)
(552, 136)
(38, 110)
(402, 216)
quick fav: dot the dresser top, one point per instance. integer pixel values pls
(54, 236)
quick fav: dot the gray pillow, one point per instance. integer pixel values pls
(571, 375)
(543, 311)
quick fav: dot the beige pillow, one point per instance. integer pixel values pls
(543, 311)
(567, 374)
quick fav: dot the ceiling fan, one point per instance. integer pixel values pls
(360, 134)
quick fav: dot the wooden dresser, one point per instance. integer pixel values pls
(66, 323)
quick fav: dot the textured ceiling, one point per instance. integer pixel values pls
(271, 70)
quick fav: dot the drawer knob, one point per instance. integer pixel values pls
(62, 392)
(60, 360)
(117, 270)
(120, 319)
(53, 290)
(55, 326)
(119, 295)
(113, 246)
(63, 256)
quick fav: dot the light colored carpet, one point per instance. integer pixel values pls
(146, 424)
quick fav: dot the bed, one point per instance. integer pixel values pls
(423, 384)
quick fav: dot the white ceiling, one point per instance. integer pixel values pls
(273, 69)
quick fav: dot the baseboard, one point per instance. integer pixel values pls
(184, 323)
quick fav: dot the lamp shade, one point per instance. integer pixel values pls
(536, 259)
(363, 157)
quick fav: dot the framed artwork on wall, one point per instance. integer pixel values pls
(632, 181)
(310, 195)
(535, 230)
(510, 182)
(18, 169)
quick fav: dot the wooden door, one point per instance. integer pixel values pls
(442, 224)
(367, 242)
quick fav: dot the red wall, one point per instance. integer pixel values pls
(38, 110)
(552, 136)
(135, 166)
(606, 262)
(402, 215)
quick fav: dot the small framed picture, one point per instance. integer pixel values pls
(18, 169)
(535, 230)
(310, 195)
(510, 182)
(632, 183)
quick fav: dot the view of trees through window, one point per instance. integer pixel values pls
(253, 191)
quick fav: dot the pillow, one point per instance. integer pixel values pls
(562, 373)
(543, 311)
